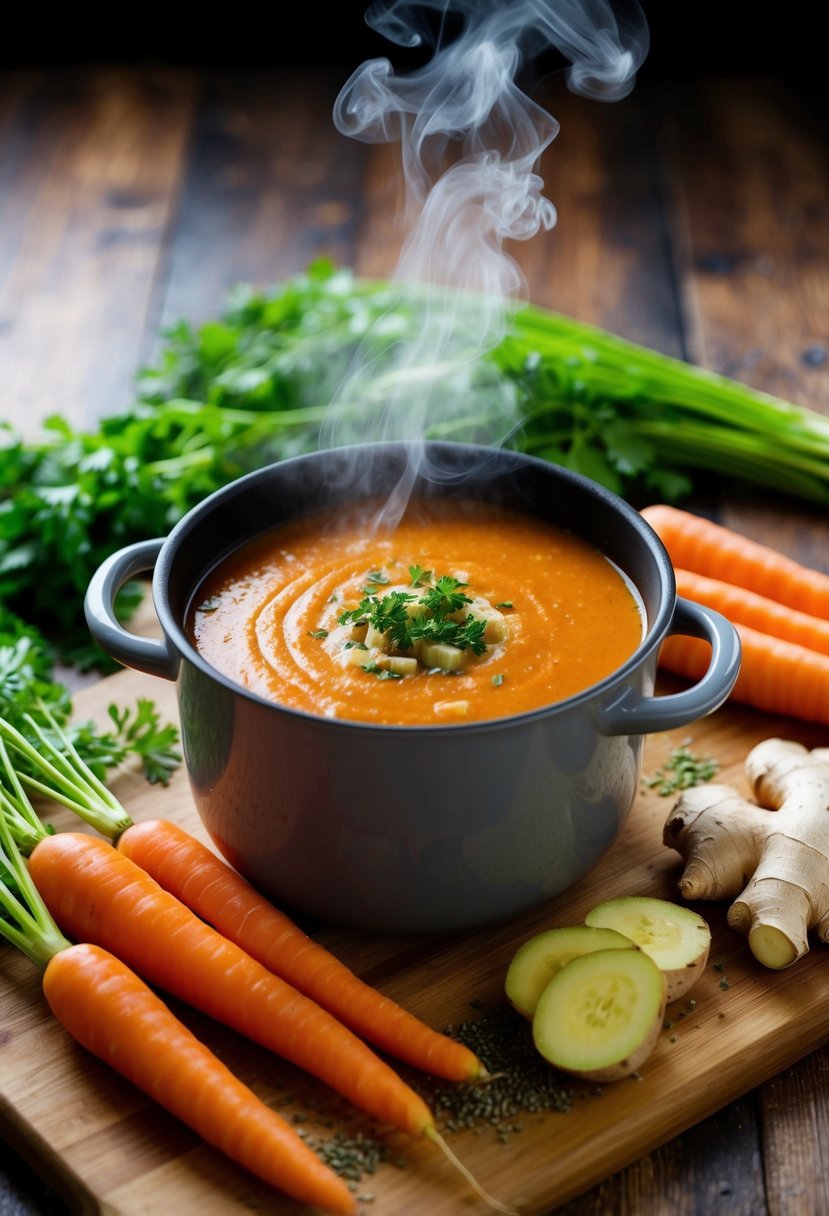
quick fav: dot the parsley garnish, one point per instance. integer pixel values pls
(318, 633)
(497, 680)
(389, 615)
(419, 576)
(446, 596)
(382, 673)
(374, 579)
(386, 615)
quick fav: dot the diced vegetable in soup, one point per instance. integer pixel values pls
(464, 612)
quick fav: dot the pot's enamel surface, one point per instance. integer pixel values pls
(412, 828)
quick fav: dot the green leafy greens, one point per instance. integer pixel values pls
(35, 709)
(254, 386)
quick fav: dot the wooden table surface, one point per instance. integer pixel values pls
(692, 216)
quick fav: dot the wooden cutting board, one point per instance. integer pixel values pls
(110, 1150)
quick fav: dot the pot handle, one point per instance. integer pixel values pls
(632, 714)
(155, 657)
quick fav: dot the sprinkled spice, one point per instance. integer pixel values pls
(522, 1081)
(681, 771)
(352, 1157)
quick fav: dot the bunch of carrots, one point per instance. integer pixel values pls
(779, 607)
(155, 903)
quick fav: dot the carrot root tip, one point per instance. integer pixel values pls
(432, 1133)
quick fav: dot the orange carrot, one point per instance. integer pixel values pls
(206, 884)
(697, 544)
(113, 1014)
(97, 894)
(744, 607)
(775, 675)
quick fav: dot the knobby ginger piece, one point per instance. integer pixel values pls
(771, 858)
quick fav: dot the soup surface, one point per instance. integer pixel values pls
(464, 612)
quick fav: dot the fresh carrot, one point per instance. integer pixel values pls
(744, 607)
(113, 1014)
(206, 884)
(97, 894)
(775, 675)
(696, 544)
(107, 1009)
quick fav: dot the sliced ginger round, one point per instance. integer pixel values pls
(542, 957)
(600, 1016)
(675, 937)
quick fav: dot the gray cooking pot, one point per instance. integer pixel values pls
(411, 828)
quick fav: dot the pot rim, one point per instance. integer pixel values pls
(653, 635)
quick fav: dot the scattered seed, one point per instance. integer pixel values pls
(522, 1080)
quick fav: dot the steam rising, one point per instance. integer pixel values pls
(470, 142)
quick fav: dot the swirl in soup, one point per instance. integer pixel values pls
(464, 612)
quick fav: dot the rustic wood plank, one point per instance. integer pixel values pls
(795, 1109)
(607, 260)
(714, 1166)
(90, 171)
(751, 174)
(270, 186)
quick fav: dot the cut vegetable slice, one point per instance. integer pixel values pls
(675, 937)
(539, 959)
(600, 1017)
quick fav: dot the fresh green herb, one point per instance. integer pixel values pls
(446, 596)
(355, 646)
(389, 615)
(141, 733)
(504, 604)
(377, 578)
(419, 576)
(382, 673)
(497, 680)
(681, 771)
(466, 635)
(38, 707)
(320, 634)
(255, 385)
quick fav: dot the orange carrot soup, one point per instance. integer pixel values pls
(464, 612)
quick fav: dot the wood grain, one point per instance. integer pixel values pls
(106, 1147)
(91, 169)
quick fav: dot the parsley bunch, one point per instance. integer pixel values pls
(255, 385)
(35, 708)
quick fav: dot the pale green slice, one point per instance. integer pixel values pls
(541, 957)
(675, 937)
(600, 1016)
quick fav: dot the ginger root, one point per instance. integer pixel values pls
(772, 856)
